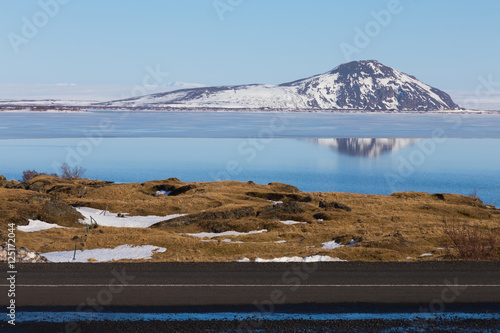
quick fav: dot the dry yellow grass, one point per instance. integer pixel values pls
(393, 227)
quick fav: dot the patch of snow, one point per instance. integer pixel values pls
(290, 222)
(101, 255)
(243, 260)
(281, 241)
(331, 245)
(112, 220)
(163, 192)
(275, 202)
(408, 258)
(37, 225)
(426, 254)
(229, 240)
(226, 233)
(315, 258)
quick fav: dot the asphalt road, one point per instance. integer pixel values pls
(92, 285)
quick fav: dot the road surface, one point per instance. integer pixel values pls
(199, 284)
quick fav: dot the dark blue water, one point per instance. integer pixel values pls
(225, 316)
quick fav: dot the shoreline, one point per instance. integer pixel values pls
(77, 109)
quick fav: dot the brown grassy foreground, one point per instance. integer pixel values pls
(386, 228)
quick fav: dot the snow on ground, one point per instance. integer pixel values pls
(290, 222)
(275, 202)
(243, 260)
(426, 255)
(226, 233)
(229, 240)
(162, 192)
(37, 225)
(315, 258)
(112, 220)
(331, 245)
(119, 252)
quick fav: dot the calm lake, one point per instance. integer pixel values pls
(315, 152)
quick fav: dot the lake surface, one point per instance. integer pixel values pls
(17, 125)
(352, 152)
(371, 166)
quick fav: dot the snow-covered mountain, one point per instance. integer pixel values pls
(365, 147)
(357, 85)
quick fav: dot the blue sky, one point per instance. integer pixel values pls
(447, 44)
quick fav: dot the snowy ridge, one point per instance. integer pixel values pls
(358, 85)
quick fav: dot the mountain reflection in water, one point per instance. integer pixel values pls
(365, 147)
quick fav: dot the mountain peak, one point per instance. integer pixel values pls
(364, 68)
(360, 63)
(356, 85)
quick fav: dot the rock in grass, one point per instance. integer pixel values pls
(22, 255)
(335, 205)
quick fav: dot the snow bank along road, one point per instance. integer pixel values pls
(179, 284)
